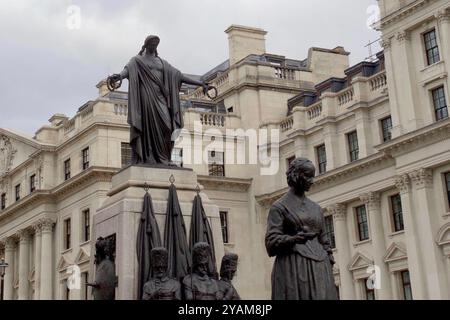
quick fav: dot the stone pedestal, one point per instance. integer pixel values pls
(121, 212)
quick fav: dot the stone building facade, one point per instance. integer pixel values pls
(378, 132)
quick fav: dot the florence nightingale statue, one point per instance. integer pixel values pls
(303, 268)
(154, 112)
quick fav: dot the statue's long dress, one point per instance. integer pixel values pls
(301, 271)
(153, 111)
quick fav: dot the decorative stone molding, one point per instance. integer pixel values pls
(7, 153)
(339, 211)
(386, 43)
(403, 36)
(443, 16)
(372, 200)
(403, 183)
(404, 12)
(422, 178)
(46, 225)
(37, 227)
(10, 244)
(23, 235)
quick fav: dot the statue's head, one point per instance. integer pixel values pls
(228, 267)
(150, 45)
(101, 250)
(300, 175)
(160, 262)
(200, 258)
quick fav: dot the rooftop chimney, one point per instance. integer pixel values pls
(244, 41)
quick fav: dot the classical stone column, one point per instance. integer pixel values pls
(403, 184)
(331, 145)
(24, 262)
(443, 18)
(428, 224)
(363, 130)
(37, 259)
(46, 285)
(373, 203)
(339, 212)
(394, 286)
(10, 246)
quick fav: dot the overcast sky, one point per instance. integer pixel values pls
(51, 64)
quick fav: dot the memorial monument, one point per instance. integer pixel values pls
(154, 115)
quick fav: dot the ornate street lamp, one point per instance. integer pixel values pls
(3, 266)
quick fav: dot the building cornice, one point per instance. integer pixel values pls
(350, 171)
(91, 175)
(416, 139)
(225, 184)
(402, 13)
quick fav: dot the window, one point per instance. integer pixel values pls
(447, 184)
(216, 164)
(125, 150)
(329, 231)
(177, 157)
(85, 156)
(322, 158)
(386, 127)
(84, 280)
(353, 146)
(33, 183)
(289, 161)
(224, 225)
(369, 293)
(338, 292)
(440, 104)
(17, 192)
(406, 285)
(397, 213)
(431, 47)
(3, 201)
(361, 220)
(67, 234)
(67, 169)
(86, 225)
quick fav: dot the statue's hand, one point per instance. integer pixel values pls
(114, 81)
(206, 87)
(300, 238)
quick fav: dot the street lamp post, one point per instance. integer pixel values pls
(3, 266)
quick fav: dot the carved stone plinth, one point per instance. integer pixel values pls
(121, 212)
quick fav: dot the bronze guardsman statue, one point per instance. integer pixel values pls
(105, 284)
(303, 268)
(154, 112)
(160, 286)
(200, 285)
(228, 269)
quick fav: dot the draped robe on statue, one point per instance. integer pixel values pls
(154, 111)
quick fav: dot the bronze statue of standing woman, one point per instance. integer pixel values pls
(303, 268)
(154, 111)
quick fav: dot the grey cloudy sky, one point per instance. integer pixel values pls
(48, 68)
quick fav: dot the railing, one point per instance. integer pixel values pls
(121, 109)
(346, 96)
(314, 111)
(378, 81)
(212, 119)
(221, 80)
(87, 113)
(70, 126)
(287, 124)
(284, 73)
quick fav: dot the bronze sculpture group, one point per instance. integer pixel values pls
(295, 228)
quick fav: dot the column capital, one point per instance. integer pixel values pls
(339, 211)
(10, 243)
(37, 227)
(442, 15)
(422, 178)
(403, 36)
(386, 43)
(23, 235)
(46, 225)
(403, 183)
(372, 200)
